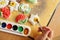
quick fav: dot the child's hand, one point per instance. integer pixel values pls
(46, 34)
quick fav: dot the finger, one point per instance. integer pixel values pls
(45, 29)
(46, 32)
(45, 35)
(50, 34)
(47, 38)
(42, 37)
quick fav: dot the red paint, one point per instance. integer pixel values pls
(6, 12)
(9, 26)
(20, 17)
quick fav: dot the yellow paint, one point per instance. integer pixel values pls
(12, 4)
(2, 2)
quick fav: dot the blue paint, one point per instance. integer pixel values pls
(3, 24)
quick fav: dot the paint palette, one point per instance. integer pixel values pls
(14, 28)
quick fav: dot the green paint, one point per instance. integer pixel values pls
(0, 13)
(0, 23)
(20, 7)
(23, 21)
(20, 28)
(31, 1)
(27, 11)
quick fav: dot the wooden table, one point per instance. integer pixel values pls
(53, 24)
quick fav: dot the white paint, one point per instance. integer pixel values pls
(3, 5)
(31, 19)
(25, 7)
(14, 7)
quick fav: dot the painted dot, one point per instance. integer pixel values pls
(15, 27)
(9, 26)
(0, 23)
(20, 28)
(26, 31)
(12, 3)
(0, 13)
(3, 24)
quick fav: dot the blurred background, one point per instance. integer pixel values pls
(55, 24)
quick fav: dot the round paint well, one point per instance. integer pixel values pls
(26, 31)
(3, 24)
(20, 28)
(9, 26)
(15, 27)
